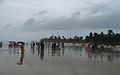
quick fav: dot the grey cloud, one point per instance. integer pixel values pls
(101, 7)
(105, 21)
(87, 2)
(77, 17)
(36, 22)
(1, 1)
(76, 14)
(41, 13)
(7, 26)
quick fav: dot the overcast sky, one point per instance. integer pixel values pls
(34, 19)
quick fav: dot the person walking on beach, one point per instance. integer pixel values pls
(89, 48)
(33, 45)
(53, 45)
(63, 45)
(42, 45)
(1, 44)
(38, 44)
(22, 48)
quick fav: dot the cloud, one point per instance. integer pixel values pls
(8, 26)
(42, 16)
(76, 14)
(105, 21)
(1, 1)
(101, 8)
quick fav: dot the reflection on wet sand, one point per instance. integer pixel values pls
(101, 54)
(97, 54)
(63, 61)
(63, 51)
(39, 51)
(42, 54)
(21, 59)
(56, 51)
(89, 55)
(78, 53)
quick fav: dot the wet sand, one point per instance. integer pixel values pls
(68, 61)
(86, 45)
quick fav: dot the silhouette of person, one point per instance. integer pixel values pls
(22, 48)
(89, 47)
(53, 46)
(63, 45)
(42, 45)
(38, 44)
(33, 44)
(1, 44)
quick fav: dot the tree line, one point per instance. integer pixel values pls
(58, 38)
(110, 38)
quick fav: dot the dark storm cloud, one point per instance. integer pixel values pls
(106, 21)
(26, 19)
(110, 20)
(102, 7)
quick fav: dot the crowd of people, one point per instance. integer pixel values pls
(92, 46)
(38, 44)
(57, 45)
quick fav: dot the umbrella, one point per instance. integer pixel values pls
(20, 42)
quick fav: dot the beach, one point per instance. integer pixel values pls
(66, 61)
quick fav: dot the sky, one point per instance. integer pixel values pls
(34, 19)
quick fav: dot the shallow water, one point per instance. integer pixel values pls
(67, 61)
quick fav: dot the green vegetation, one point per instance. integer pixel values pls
(110, 38)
